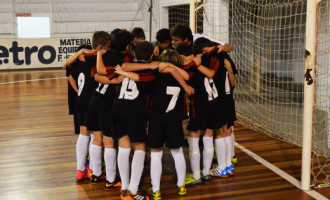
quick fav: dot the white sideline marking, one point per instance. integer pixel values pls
(280, 172)
(5, 83)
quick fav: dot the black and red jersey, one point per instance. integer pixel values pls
(133, 96)
(167, 99)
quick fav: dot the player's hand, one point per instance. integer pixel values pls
(154, 65)
(228, 66)
(101, 52)
(189, 90)
(156, 51)
(220, 48)
(120, 79)
(119, 70)
(162, 66)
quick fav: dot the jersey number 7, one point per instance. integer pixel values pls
(174, 91)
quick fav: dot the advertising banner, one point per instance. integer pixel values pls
(37, 53)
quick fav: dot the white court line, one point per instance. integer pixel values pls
(5, 83)
(281, 173)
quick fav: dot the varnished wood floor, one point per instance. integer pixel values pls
(37, 152)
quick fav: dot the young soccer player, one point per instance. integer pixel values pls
(163, 38)
(138, 35)
(219, 87)
(100, 40)
(165, 124)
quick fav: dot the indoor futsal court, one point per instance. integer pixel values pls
(282, 95)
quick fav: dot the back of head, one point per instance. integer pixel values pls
(120, 41)
(143, 50)
(200, 44)
(171, 56)
(115, 31)
(100, 38)
(182, 31)
(163, 35)
(84, 46)
(184, 49)
(138, 32)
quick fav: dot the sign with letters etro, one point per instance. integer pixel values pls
(38, 53)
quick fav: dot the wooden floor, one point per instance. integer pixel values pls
(37, 145)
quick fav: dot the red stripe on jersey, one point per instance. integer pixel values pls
(190, 68)
(147, 77)
(110, 72)
(215, 48)
(73, 70)
(93, 71)
(214, 65)
(193, 109)
(128, 59)
(90, 54)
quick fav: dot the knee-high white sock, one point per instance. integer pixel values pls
(96, 158)
(180, 165)
(195, 157)
(123, 166)
(156, 170)
(136, 170)
(207, 155)
(81, 151)
(229, 145)
(220, 149)
(89, 152)
(233, 141)
(110, 163)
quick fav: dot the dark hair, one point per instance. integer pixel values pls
(100, 38)
(84, 46)
(115, 31)
(200, 44)
(143, 50)
(163, 35)
(121, 40)
(171, 56)
(138, 32)
(184, 49)
(182, 31)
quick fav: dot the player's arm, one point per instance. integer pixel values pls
(129, 67)
(177, 75)
(76, 56)
(204, 70)
(232, 79)
(73, 83)
(105, 80)
(183, 73)
(156, 51)
(226, 47)
(100, 68)
(131, 75)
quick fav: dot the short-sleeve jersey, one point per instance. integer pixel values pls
(167, 99)
(132, 97)
(85, 83)
(111, 60)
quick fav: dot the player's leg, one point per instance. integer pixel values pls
(208, 153)
(233, 155)
(81, 152)
(220, 149)
(156, 172)
(195, 157)
(229, 145)
(110, 158)
(96, 156)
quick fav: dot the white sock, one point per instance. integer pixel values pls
(156, 170)
(207, 155)
(229, 145)
(195, 157)
(123, 166)
(110, 163)
(180, 165)
(89, 152)
(220, 149)
(96, 158)
(81, 151)
(136, 171)
(233, 140)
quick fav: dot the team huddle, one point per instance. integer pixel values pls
(134, 93)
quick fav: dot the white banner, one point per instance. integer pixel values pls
(38, 53)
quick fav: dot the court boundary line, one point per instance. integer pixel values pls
(280, 172)
(32, 80)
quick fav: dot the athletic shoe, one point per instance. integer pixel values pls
(115, 184)
(220, 173)
(123, 194)
(206, 178)
(234, 159)
(155, 196)
(89, 173)
(96, 179)
(189, 180)
(231, 170)
(80, 175)
(137, 196)
(182, 190)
